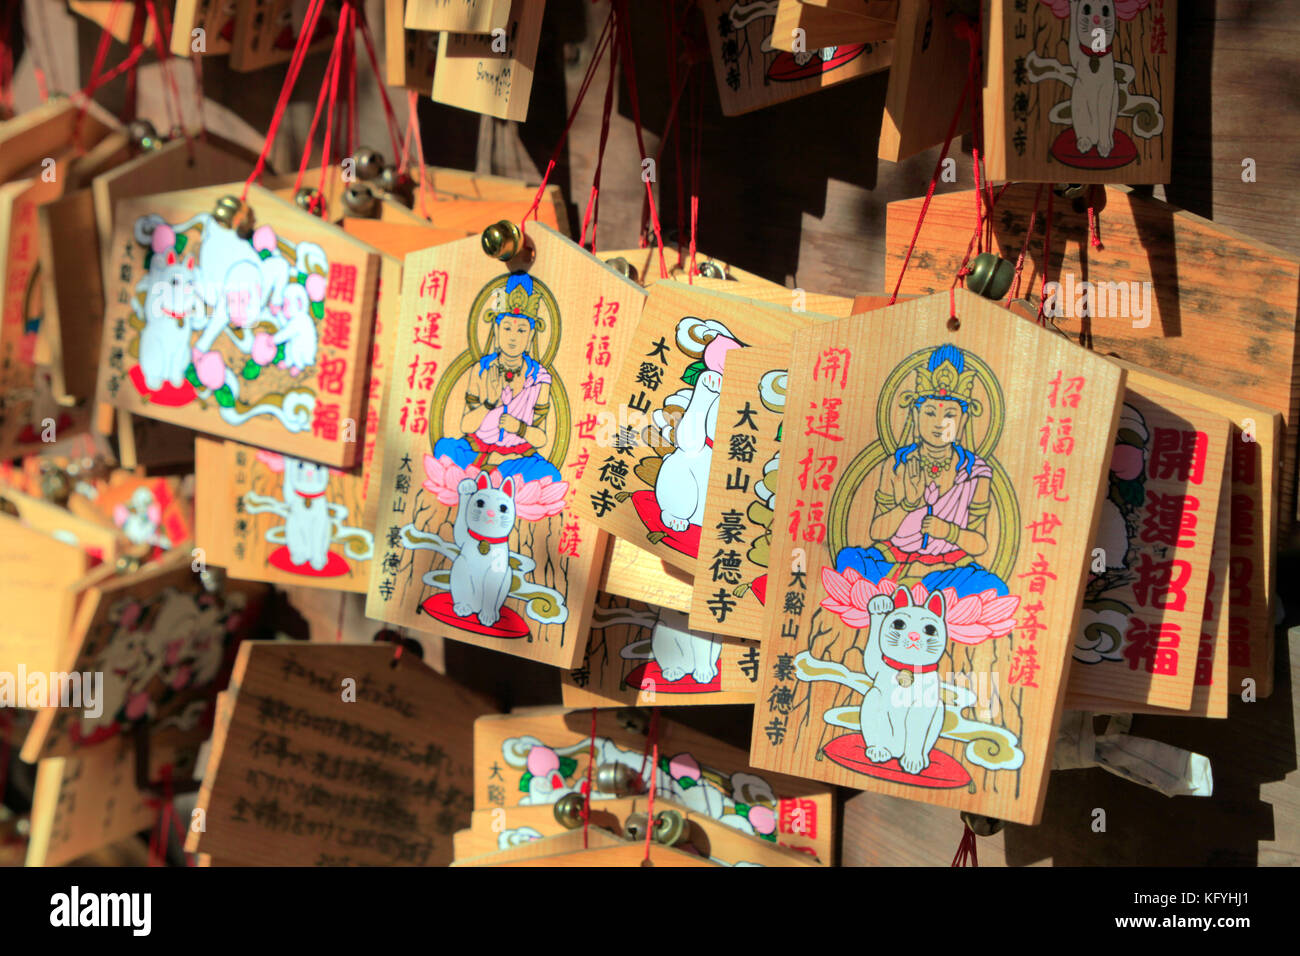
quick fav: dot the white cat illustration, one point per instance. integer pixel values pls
(678, 650)
(481, 573)
(683, 478)
(308, 526)
(1095, 92)
(169, 316)
(902, 713)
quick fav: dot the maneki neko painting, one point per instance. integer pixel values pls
(499, 401)
(252, 324)
(1081, 90)
(927, 571)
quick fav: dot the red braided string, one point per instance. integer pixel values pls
(331, 72)
(1094, 235)
(697, 137)
(291, 78)
(139, 19)
(592, 213)
(1024, 246)
(394, 128)
(966, 853)
(1047, 258)
(586, 795)
(347, 22)
(629, 70)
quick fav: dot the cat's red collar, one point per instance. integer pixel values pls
(1097, 53)
(481, 537)
(303, 494)
(709, 442)
(900, 666)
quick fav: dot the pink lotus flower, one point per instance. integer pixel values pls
(534, 500)
(972, 619)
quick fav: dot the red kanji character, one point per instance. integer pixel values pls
(325, 421)
(586, 427)
(1039, 574)
(1070, 397)
(331, 373)
(1160, 584)
(412, 417)
(336, 329)
(1153, 646)
(570, 538)
(832, 363)
(1051, 483)
(1178, 454)
(426, 330)
(827, 419)
(1241, 525)
(593, 389)
(342, 285)
(1170, 520)
(1024, 666)
(435, 283)
(1042, 528)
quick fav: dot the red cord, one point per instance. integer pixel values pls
(591, 766)
(966, 853)
(347, 22)
(697, 137)
(624, 28)
(1094, 235)
(413, 124)
(291, 78)
(592, 213)
(654, 775)
(327, 82)
(1047, 258)
(394, 128)
(1024, 246)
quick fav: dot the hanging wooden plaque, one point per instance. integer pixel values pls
(1139, 634)
(203, 27)
(919, 635)
(409, 55)
(254, 354)
(802, 26)
(491, 417)
(1143, 284)
(162, 646)
(474, 73)
(265, 33)
(46, 132)
(1080, 92)
(333, 756)
(926, 79)
(651, 486)
(751, 73)
(213, 539)
(458, 16)
(536, 758)
(491, 831)
(649, 656)
(633, 573)
(39, 578)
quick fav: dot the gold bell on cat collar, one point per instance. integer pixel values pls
(368, 163)
(990, 275)
(568, 811)
(503, 240)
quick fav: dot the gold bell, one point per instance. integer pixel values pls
(503, 240)
(369, 163)
(990, 275)
(227, 210)
(617, 778)
(308, 198)
(622, 267)
(360, 201)
(670, 828)
(568, 811)
(55, 485)
(712, 270)
(982, 825)
(143, 135)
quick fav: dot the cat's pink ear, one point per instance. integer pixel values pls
(902, 598)
(935, 604)
(482, 481)
(508, 486)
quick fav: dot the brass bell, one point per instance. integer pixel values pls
(568, 811)
(635, 826)
(713, 270)
(369, 163)
(982, 825)
(308, 198)
(635, 720)
(617, 778)
(1070, 190)
(622, 267)
(670, 828)
(55, 485)
(503, 240)
(398, 185)
(361, 201)
(990, 275)
(227, 210)
(127, 563)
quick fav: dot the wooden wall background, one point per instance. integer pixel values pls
(795, 193)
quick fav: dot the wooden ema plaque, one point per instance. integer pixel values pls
(1149, 568)
(631, 572)
(409, 55)
(490, 419)
(213, 539)
(216, 20)
(261, 339)
(736, 533)
(536, 757)
(1210, 688)
(1080, 92)
(297, 522)
(265, 33)
(603, 850)
(649, 656)
(651, 486)
(928, 545)
(926, 79)
(39, 578)
(1148, 283)
(338, 756)
(163, 645)
(752, 73)
(498, 829)
(823, 27)
(474, 73)
(458, 16)
(46, 131)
